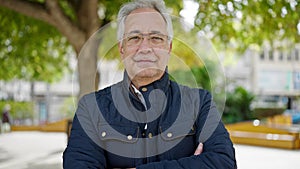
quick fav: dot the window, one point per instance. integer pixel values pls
(297, 55)
(271, 56)
(289, 56)
(262, 56)
(281, 56)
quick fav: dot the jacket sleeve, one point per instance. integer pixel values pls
(218, 151)
(82, 151)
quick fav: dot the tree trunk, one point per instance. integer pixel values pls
(87, 67)
(88, 22)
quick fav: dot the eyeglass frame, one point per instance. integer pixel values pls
(142, 36)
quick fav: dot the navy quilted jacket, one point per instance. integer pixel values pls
(113, 128)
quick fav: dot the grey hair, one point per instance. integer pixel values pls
(127, 8)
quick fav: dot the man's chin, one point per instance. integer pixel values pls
(149, 73)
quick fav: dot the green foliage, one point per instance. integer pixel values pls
(195, 77)
(242, 23)
(237, 106)
(176, 6)
(30, 49)
(19, 110)
(68, 10)
(110, 8)
(202, 77)
(68, 107)
(33, 50)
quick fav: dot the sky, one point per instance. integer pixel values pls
(189, 11)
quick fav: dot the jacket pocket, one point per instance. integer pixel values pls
(180, 140)
(119, 141)
(116, 132)
(177, 131)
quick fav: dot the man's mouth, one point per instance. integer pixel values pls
(144, 60)
(144, 63)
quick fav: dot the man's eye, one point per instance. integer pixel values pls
(157, 38)
(134, 38)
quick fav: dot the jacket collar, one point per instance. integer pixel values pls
(162, 83)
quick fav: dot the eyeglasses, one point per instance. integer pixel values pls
(155, 39)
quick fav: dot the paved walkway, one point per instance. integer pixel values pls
(40, 150)
(252, 157)
(31, 150)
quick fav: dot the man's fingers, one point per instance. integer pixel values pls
(199, 149)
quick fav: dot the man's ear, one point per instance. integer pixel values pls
(121, 49)
(170, 47)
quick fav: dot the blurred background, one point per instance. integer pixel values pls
(43, 72)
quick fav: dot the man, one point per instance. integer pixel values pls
(146, 120)
(6, 119)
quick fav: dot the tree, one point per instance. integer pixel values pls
(241, 23)
(238, 106)
(76, 20)
(28, 53)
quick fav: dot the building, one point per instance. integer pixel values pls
(55, 101)
(272, 75)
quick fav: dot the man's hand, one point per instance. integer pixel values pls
(199, 149)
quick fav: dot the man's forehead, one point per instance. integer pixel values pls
(145, 15)
(143, 10)
(145, 19)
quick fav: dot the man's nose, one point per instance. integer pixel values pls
(145, 44)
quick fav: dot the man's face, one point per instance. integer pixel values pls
(145, 50)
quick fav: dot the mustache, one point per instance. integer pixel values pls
(145, 57)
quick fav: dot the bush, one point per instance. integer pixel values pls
(237, 106)
(19, 110)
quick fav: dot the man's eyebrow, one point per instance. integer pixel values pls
(134, 31)
(158, 32)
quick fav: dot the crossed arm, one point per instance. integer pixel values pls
(198, 151)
